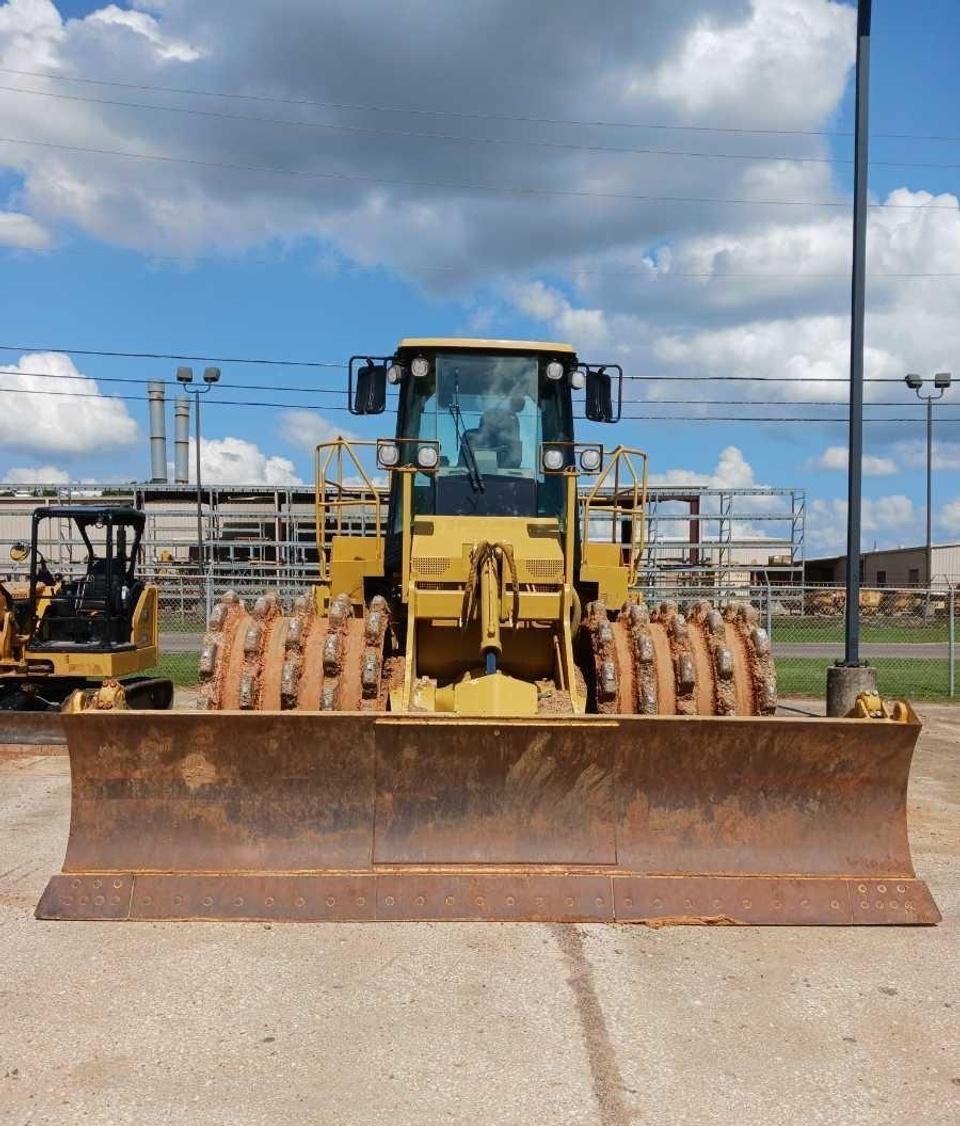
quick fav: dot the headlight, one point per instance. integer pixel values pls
(395, 374)
(590, 460)
(388, 455)
(428, 457)
(554, 370)
(577, 380)
(552, 459)
(419, 367)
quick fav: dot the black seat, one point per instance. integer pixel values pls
(93, 590)
(499, 433)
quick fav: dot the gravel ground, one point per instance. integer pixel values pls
(476, 1023)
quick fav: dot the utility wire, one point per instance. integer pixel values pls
(462, 115)
(502, 189)
(411, 134)
(339, 364)
(220, 402)
(174, 356)
(174, 385)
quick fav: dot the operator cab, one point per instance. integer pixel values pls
(487, 414)
(478, 416)
(91, 609)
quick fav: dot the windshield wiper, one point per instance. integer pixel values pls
(473, 470)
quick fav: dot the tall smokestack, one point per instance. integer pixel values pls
(158, 434)
(181, 441)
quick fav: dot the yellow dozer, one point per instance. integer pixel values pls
(471, 715)
(83, 639)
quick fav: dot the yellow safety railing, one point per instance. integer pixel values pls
(617, 499)
(348, 501)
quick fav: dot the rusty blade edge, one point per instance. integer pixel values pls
(486, 870)
(483, 895)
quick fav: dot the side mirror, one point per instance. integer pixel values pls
(368, 388)
(599, 404)
(19, 551)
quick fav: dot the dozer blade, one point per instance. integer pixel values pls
(31, 733)
(309, 816)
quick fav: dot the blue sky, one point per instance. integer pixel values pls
(267, 266)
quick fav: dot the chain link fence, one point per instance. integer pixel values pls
(909, 635)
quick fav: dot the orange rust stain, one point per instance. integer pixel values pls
(742, 677)
(663, 663)
(197, 770)
(703, 693)
(272, 657)
(311, 675)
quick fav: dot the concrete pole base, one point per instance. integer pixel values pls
(845, 684)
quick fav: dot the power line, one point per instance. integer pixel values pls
(174, 356)
(340, 364)
(220, 402)
(174, 386)
(503, 189)
(463, 115)
(411, 134)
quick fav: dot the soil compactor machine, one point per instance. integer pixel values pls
(69, 642)
(471, 716)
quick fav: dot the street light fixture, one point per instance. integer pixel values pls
(941, 381)
(210, 377)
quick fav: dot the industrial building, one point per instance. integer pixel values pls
(893, 567)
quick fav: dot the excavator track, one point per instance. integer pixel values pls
(269, 659)
(710, 661)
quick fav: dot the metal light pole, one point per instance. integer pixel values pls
(849, 677)
(941, 381)
(210, 377)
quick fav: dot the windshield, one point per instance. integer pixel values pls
(490, 415)
(481, 405)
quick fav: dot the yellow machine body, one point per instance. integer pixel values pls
(62, 634)
(472, 714)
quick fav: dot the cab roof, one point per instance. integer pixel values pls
(486, 345)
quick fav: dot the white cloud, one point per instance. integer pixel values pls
(836, 458)
(59, 409)
(735, 71)
(950, 517)
(946, 455)
(732, 471)
(308, 429)
(143, 27)
(586, 326)
(764, 63)
(617, 268)
(22, 232)
(891, 520)
(235, 461)
(39, 474)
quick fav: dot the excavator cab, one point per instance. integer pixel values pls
(85, 624)
(93, 609)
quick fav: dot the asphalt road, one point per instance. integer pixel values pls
(476, 1023)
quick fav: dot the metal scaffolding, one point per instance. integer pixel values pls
(696, 536)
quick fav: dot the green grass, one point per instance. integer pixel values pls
(910, 679)
(181, 668)
(827, 630)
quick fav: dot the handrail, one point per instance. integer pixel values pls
(334, 495)
(625, 500)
